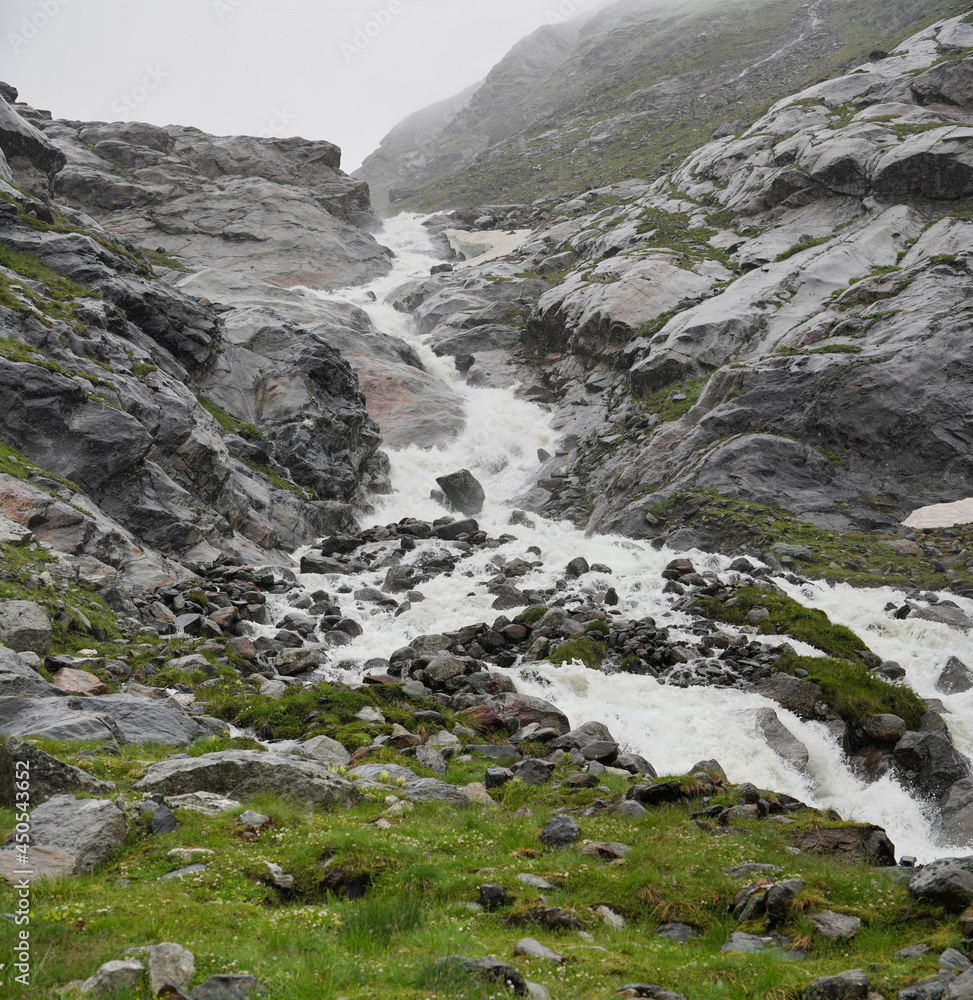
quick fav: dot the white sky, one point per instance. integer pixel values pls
(281, 67)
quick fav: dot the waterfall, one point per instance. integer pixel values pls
(673, 727)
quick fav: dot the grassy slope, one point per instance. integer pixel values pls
(522, 169)
(306, 943)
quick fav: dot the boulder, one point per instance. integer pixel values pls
(845, 986)
(864, 842)
(242, 774)
(780, 739)
(560, 832)
(463, 492)
(73, 681)
(835, 926)
(124, 717)
(579, 737)
(325, 750)
(529, 709)
(793, 693)
(25, 627)
(947, 881)
(114, 978)
(18, 680)
(87, 829)
(929, 763)
(956, 677)
(48, 775)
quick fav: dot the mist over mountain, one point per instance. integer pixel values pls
(619, 92)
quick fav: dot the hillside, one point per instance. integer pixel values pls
(643, 83)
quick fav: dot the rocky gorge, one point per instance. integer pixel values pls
(400, 614)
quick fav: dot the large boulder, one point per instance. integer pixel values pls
(87, 829)
(579, 737)
(955, 678)
(793, 693)
(48, 776)
(463, 492)
(929, 763)
(242, 774)
(947, 881)
(125, 717)
(25, 627)
(860, 843)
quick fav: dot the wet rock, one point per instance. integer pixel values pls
(463, 492)
(928, 763)
(798, 696)
(956, 677)
(884, 730)
(453, 530)
(780, 739)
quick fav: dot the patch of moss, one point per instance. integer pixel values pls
(788, 617)
(230, 423)
(159, 259)
(853, 693)
(675, 401)
(587, 650)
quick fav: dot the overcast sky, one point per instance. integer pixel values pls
(341, 70)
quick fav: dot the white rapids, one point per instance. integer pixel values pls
(671, 726)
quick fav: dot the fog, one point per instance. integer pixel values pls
(345, 71)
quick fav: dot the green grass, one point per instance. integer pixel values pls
(862, 559)
(229, 423)
(664, 402)
(159, 259)
(853, 693)
(585, 649)
(421, 872)
(788, 617)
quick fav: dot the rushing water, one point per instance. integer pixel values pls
(671, 726)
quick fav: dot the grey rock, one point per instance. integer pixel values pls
(780, 739)
(956, 677)
(25, 626)
(230, 987)
(631, 809)
(579, 737)
(415, 789)
(530, 948)
(928, 763)
(535, 881)
(48, 775)
(163, 820)
(851, 985)
(835, 926)
(946, 614)
(953, 960)
(243, 774)
(463, 492)
(946, 881)
(19, 680)
(19, 139)
(928, 989)
(430, 757)
(528, 709)
(114, 978)
(252, 818)
(195, 869)
(560, 832)
(798, 696)
(87, 829)
(207, 803)
(533, 772)
(325, 750)
(169, 965)
(751, 943)
(961, 988)
(678, 932)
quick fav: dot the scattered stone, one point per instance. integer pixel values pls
(835, 926)
(492, 896)
(278, 876)
(649, 991)
(750, 869)
(851, 985)
(163, 820)
(552, 917)
(530, 948)
(79, 682)
(678, 932)
(325, 750)
(535, 881)
(614, 920)
(253, 819)
(608, 850)
(430, 757)
(947, 881)
(230, 987)
(169, 965)
(560, 832)
(953, 960)
(113, 978)
(183, 872)
(189, 855)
